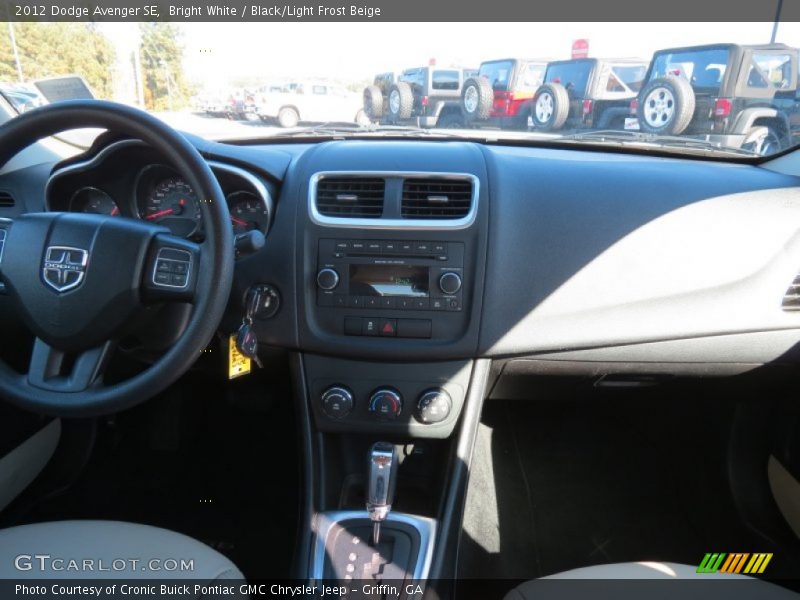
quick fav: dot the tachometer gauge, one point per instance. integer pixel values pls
(93, 200)
(173, 203)
(248, 212)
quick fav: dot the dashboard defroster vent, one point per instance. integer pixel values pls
(6, 200)
(350, 196)
(436, 198)
(791, 299)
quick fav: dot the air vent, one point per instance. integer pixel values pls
(791, 299)
(350, 197)
(436, 198)
(6, 200)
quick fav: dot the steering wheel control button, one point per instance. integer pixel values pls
(327, 279)
(337, 402)
(450, 283)
(172, 268)
(433, 406)
(386, 404)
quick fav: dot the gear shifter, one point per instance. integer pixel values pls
(382, 475)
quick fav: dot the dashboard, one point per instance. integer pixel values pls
(565, 259)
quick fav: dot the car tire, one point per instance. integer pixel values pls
(401, 101)
(550, 107)
(361, 119)
(450, 120)
(762, 140)
(477, 99)
(373, 102)
(666, 106)
(288, 117)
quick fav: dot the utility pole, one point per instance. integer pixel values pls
(777, 20)
(137, 68)
(16, 52)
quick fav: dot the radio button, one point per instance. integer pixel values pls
(342, 245)
(453, 304)
(406, 247)
(421, 304)
(339, 300)
(327, 279)
(405, 303)
(450, 283)
(438, 304)
(357, 246)
(388, 302)
(372, 302)
(355, 301)
(422, 248)
(374, 247)
(439, 247)
(390, 247)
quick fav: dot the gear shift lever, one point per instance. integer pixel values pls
(382, 475)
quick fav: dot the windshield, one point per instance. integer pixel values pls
(285, 80)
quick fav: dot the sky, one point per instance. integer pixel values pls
(217, 54)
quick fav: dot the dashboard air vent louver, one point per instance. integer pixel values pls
(350, 197)
(791, 299)
(436, 198)
(6, 200)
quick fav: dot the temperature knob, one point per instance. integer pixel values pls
(327, 279)
(386, 403)
(449, 283)
(337, 401)
(433, 406)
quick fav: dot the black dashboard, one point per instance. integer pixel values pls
(563, 258)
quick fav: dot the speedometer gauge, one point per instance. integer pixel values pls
(93, 200)
(248, 212)
(173, 203)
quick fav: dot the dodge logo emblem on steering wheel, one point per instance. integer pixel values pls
(64, 268)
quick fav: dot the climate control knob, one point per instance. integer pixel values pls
(433, 406)
(327, 279)
(386, 404)
(450, 283)
(337, 401)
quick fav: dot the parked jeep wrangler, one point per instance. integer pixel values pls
(741, 96)
(587, 93)
(425, 96)
(502, 93)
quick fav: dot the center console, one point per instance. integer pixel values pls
(389, 284)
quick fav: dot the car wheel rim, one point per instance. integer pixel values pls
(394, 101)
(659, 107)
(544, 108)
(471, 99)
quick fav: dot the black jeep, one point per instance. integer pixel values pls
(587, 93)
(425, 96)
(502, 93)
(738, 96)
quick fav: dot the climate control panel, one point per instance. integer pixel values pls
(419, 400)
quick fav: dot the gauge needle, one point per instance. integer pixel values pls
(160, 213)
(114, 211)
(238, 221)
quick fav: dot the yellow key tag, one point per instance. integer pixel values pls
(238, 363)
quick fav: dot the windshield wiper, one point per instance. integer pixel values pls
(621, 136)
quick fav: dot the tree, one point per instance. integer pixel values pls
(165, 87)
(53, 49)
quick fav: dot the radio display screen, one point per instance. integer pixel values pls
(389, 280)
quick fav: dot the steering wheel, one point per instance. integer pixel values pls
(79, 281)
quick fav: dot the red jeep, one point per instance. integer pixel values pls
(501, 94)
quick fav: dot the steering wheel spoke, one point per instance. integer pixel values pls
(57, 371)
(171, 269)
